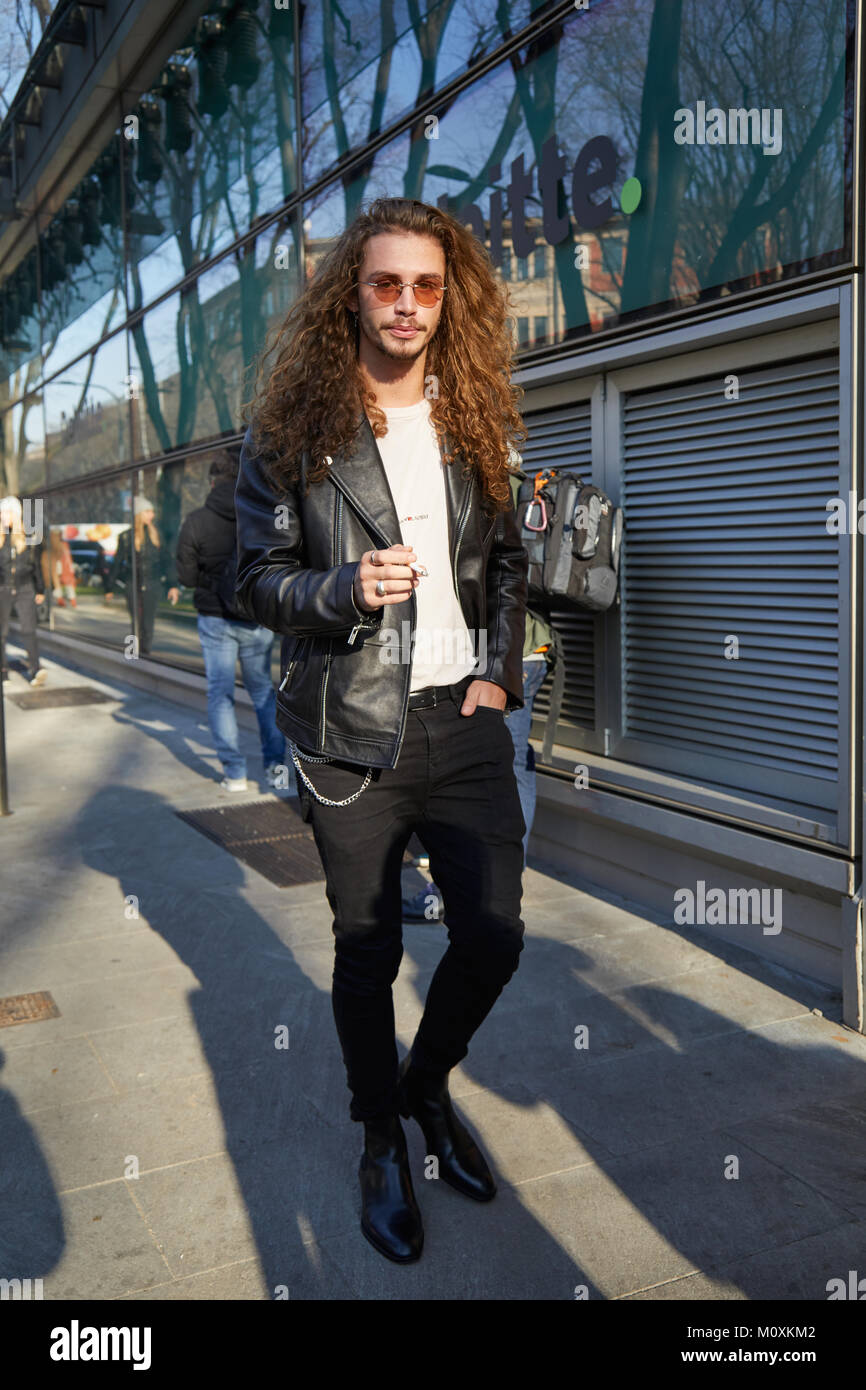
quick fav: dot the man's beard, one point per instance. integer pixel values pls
(390, 347)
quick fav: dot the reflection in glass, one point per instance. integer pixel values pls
(142, 571)
(20, 359)
(214, 144)
(364, 67)
(566, 153)
(22, 447)
(87, 413)
(84, 526)
(177, 490)
(81, 252)
(190, 353)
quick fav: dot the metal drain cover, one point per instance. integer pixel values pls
(27, 1008)
(55, 699)
(267, 835)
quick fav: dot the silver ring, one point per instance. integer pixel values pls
(373, 560)
(380, 588)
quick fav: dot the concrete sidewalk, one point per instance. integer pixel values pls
(615, 1161)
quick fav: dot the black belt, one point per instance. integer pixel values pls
(431, 695)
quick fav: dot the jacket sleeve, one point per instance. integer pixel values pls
(506, 609)
(275, 585)
(168, 573)
(186, 556)
(118, 570)
(38, 572)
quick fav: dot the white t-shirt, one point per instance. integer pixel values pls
(444, 651)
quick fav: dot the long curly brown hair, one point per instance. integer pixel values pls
(301, 403)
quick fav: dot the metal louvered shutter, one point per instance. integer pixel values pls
(563, 438)
(725, 507)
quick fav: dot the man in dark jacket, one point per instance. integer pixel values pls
(205, 552)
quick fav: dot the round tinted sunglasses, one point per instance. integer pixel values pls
(387, 289)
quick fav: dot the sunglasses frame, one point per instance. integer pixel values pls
(412, 285)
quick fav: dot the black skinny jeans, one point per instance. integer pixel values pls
(147, 605)
(454, 785)
(23, 599)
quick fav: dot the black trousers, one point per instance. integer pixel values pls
(454, 785)
(147, 601)
(23, 599)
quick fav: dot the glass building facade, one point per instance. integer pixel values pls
(669, 190)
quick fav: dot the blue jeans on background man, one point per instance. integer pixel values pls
(519, 722)
(223, 642)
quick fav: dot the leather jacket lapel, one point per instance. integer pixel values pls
(456, 488)
(363, 481)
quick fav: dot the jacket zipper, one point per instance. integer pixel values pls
(324, 727)
(359, 627)
(463, 516)
(338, 526)
(287, 677)
(407, 679)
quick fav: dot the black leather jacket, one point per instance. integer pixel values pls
(18, 570)
(297, 558)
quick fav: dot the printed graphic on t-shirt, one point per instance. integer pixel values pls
(443, 647)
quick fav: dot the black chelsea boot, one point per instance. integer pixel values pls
(461, 1163)
(390, 1218)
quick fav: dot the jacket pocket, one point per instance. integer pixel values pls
(299, 691)
(287, 678)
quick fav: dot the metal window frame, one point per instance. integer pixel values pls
(804, 324)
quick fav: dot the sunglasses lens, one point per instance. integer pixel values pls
(386, 291)
(389, 291)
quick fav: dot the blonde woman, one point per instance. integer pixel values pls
(154, 566)
(21, 585)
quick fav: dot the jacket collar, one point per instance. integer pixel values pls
(362, 479)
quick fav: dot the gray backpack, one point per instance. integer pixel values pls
(572, 534)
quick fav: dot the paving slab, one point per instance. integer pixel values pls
(726, 1078)
(168, 1050)
(673, 1208)
(91, 1004)
(799, 1271)
(270, 1204)
(823, 1143)
(87, 1244)
(48, 1074)
(472, 1251)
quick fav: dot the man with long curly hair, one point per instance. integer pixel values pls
(374, 482)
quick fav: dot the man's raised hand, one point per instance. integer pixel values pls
(391, 567)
